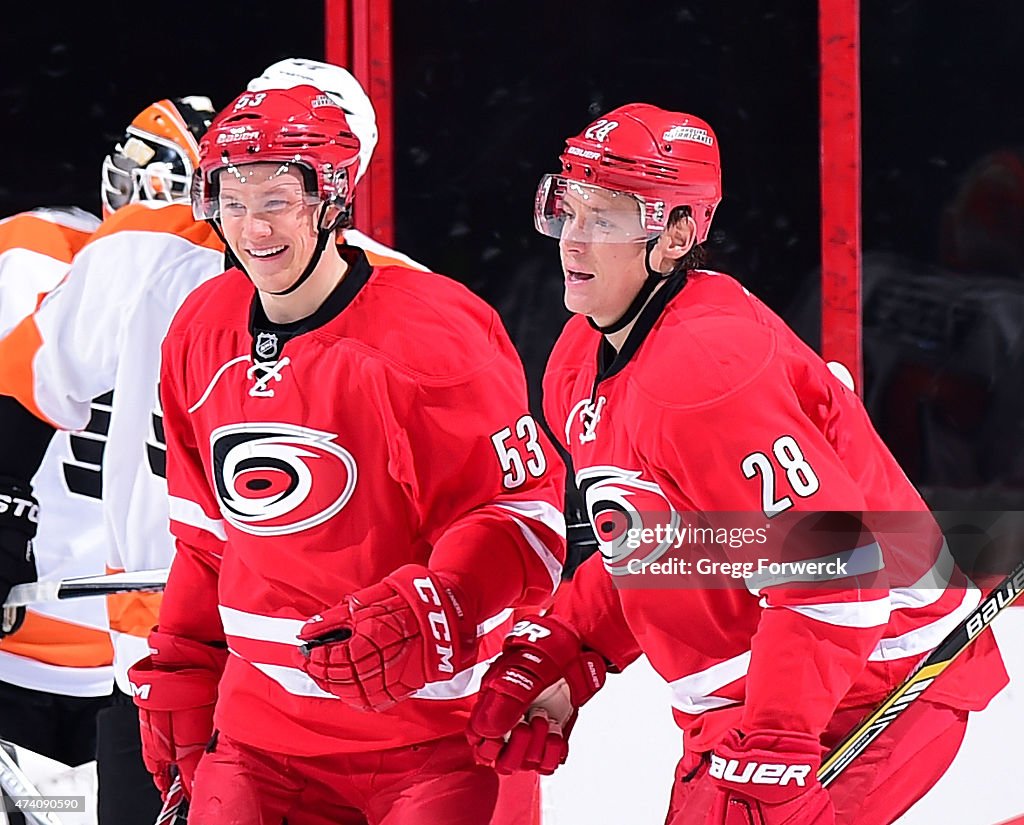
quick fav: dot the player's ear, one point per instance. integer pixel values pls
(677, 239)
(680, 235)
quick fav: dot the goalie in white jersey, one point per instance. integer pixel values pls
(127, 282)
(58, 665)
(55, 672)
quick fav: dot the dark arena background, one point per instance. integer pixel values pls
(485, 93)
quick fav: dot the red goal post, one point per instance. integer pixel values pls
(357, 35)
(840, 152)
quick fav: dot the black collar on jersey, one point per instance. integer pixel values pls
(269, 338)
(610, 362)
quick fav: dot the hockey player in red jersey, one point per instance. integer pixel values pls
(680, 396)
(353, 470)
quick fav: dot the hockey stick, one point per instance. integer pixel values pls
(14, 783)
(175, 807)
(76, 588)
(1004, 594)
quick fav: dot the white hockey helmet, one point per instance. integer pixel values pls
(336, 82)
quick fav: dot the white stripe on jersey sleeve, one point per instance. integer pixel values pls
(923, 639)
(188, 512)
(551, 518)
(693, 694)
(842, 614)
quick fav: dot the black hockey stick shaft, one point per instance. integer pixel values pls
(81, 586)
(958, 640)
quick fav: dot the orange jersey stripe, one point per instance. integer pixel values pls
(133, 613)
(173, 219)
(57, 642)
(55, 240)
(384, 260)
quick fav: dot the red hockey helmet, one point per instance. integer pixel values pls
(301, 126)
(639, 163)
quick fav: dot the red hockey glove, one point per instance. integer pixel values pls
(175, 689)
(530, 696)
(766, 777)
(386, 641)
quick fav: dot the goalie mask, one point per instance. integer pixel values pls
(157, 155)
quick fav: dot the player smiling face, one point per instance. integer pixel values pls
(269, 221)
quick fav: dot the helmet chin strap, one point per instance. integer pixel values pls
(637, 304)
(323, 236)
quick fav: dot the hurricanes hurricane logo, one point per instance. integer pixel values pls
(274, 479)
(620, 504)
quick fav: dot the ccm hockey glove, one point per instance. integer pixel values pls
(530, 697)
(765, 777)
(384, 642)
(175, 689)
(19, 518)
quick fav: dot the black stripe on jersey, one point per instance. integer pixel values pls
(610, 362)
(85, 478)
(85, 481)
(87, 450)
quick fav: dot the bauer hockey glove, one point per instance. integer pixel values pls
(386, 641)
(530, 696)
(175, 689)
(765, 777)
(19, 517)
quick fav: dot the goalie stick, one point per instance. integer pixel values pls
(958, 640)
(76, 588)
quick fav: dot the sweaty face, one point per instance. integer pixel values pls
(602, 250)
(269, 221)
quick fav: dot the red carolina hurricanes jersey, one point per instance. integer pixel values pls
(309, 460)
(714, 406)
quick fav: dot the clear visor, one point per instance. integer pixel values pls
(261, 189)
(587, 213)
